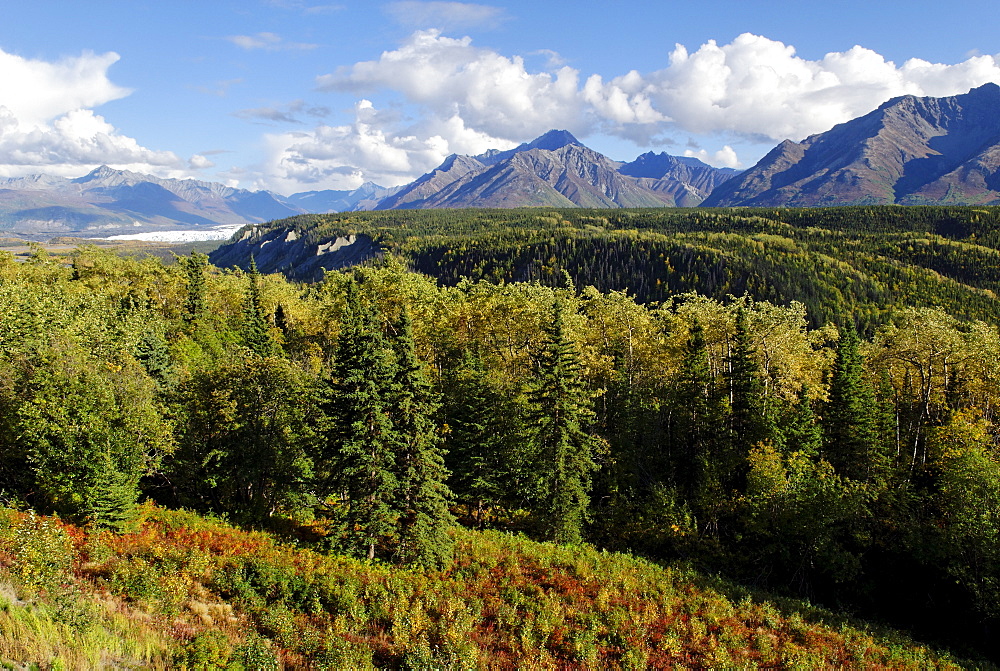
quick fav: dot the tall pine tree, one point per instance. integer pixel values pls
(749, 423)
(361, 463)
(255, 329)
(695, 419)
(473, 412)
(564, 445)
(851, 420)
(194, 272)
(423, 494)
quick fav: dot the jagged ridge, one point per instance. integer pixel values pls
(911, 150)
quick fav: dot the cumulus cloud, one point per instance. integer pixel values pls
(445, 15)
(36, 91)
(492, 93)
(753, 89)
(759, 88)
(369, 149)
(46, 124)
(200, 162)
(724, 158)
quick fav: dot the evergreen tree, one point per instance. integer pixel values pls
(802, 431)
(851, 418)
(153, 353)
(423, 494)
(255, 328)
(362, 465)
(474, 415)
(563, 443)
(696, 417)
(194, 271)
(749, 422)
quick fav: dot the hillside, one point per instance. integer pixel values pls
(368, 415)
(868, 262)
(180, 591)
(909, 151)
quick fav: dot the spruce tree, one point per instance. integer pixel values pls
(473, 411)
(194, 271)
(696, 420)
(564, 446)
(255, 328)
(802, 431)
(748, 420)
(363, 442)
(423, 494)
(851, 417)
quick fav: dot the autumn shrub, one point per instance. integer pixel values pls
(42, 551)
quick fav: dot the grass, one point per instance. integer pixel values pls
(182, 591)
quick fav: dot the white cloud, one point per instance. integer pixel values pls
(36, 91)
(753, 89)
(369, 149)
(46, 124)
(200, 162)
(267, 42)
(445, 15)
(494, 94)
(724, 158)
(756, 87)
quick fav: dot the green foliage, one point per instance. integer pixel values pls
(563, 447)
(248, 437)
(736, 433)
(194, 267)
(853, 442)
(255, 328)
(504, 602)
(423, 492)
(90, 436)
(361, 456)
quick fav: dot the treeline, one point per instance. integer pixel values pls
(376, 408)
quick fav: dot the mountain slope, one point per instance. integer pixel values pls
(910, 150)
(557, 170)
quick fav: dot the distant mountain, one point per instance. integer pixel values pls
(107, 201)
(112, 202)
(555, 169)
(365, 197)
(909, 151)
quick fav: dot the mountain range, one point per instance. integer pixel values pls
(554, 169)
(110, 202)
(911, 150)
(557, 170)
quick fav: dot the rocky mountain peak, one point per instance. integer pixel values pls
(911, 150)
(552, 140)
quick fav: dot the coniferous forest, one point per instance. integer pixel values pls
(733, 435)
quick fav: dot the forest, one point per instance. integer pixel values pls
(864, 262)
(838, 448)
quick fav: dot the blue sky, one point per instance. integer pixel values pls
(297, 95)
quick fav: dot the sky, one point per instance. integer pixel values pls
(304, 95)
